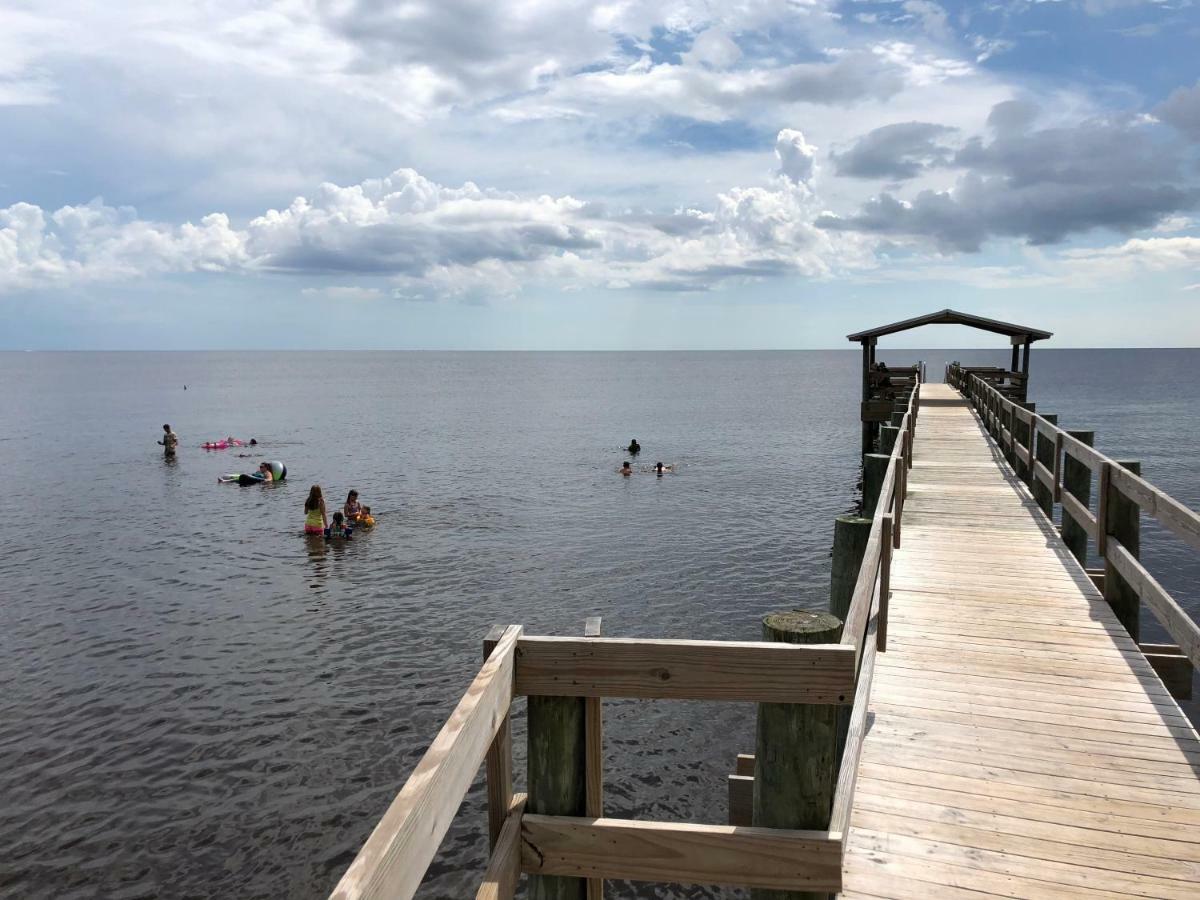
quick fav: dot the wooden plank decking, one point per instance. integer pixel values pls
(1020, 745)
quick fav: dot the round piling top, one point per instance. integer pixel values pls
(802, 626)
(850, 519)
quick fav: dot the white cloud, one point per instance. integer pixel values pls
(425, 239)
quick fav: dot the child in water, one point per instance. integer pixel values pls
(352, 509)
(339, 528)
(627, 469)
(315, 520)
(365, 519)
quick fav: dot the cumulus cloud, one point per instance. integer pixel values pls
(796, 156)
(898, 151)
(427, 239)
(1040, 185)
(96, 242)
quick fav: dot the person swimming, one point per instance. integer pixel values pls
(626, 469)
(660, 469)
(634, 447)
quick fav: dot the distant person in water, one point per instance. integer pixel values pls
(626, 469)
(253, 442)
(660, 469)
(352, 509)
(634, 447)
(169, 442)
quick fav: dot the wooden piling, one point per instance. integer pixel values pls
(795, 762)
(887, 439)
(557, 778)
(1122, 521)
(875, 467)
(1043, 452)
(850, 535)
(1077, 481)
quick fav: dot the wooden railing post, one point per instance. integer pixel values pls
(1077, 481)
(795, 757)
(885, 583)
(1122, 521)
(850, 536)
(499, 759)
(1043, 452)
(594, 758)
(898, 502)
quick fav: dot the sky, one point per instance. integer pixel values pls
(563, 174)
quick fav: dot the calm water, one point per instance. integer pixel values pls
(199, 702)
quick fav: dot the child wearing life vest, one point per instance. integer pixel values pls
(339, 528)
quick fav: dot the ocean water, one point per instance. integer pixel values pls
(200, 702)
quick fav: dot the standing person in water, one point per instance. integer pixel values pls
(634, 447)
(626, 469)
(169, 442)
(352, 510)
(315, 520)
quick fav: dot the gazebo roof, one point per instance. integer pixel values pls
(952, 317)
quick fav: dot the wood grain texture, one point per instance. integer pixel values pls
(1017, 742)
(503, 872)
(684, 670)
(681, 853)
(393, 861)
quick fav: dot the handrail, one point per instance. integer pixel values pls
(393, 861)
(865, 627)
(1184, 523)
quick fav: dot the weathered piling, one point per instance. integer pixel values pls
(887, 439)
(795, 759)
(1043, 452)
(557, 778)
(1077, 481)
(850, 535)
(875, 467)
(1122, 521)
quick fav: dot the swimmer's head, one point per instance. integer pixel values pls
(253, 442)
(166, 428)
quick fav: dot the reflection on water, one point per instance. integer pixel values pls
(202, 701)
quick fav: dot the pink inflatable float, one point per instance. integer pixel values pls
(223, 444)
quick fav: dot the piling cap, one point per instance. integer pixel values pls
(795, 625)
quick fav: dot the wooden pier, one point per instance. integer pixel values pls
(1020, 744)
(992, 727)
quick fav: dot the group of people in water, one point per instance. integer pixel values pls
(634, 449)
(352, 515)
(341, 524)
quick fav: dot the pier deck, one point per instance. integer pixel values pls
(1020, 745)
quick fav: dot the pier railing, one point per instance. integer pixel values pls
(395, 857)
(1061, 467)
